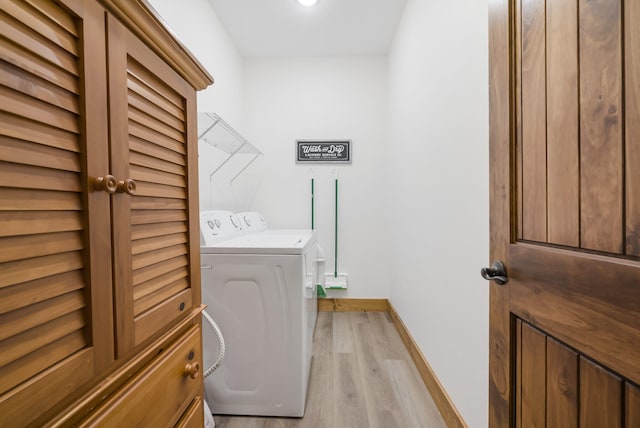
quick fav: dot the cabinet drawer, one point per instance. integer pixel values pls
(194, 416)
(159, 395)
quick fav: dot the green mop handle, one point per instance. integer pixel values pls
(335, 253)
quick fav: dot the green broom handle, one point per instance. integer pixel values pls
(312, 207)
(335, 255)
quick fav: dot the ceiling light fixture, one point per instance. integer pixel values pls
(307, 2)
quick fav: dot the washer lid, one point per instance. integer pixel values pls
(291, 242)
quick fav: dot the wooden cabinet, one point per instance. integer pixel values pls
(149, 106)
(99, 247)
(159, 395)
(194, 416)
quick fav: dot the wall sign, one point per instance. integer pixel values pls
(323, 151)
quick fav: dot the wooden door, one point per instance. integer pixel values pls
(565, 213)
(156, 236)
(55, 277)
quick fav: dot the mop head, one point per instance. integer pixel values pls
(335, 281)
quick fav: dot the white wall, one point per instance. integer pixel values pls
(438, 82)
(419, 125)
(199, 29)
(325, 98)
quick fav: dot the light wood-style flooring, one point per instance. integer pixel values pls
(361, 376)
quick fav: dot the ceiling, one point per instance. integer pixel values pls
(284, 28)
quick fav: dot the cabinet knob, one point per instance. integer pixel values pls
(108, 183)
(127, 186)
(192, 370)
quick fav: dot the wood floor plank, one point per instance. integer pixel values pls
(359, 318)
(342, 333)
(382, 406)
(388, 343)
(350, 404)
(361, 376)
(416, 404)
(323, 335)
(245, 422)
(279, 423)
(320, 402)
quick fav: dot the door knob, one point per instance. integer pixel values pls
(127, 186)
(108, 183)
(495, 273)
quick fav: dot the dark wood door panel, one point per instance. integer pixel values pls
(601, 160)
(600, 397)
(568, 119)
(632, 125)
(565, 216)
(632, 406)
(500, 385)
(562, 126)
(588, 301)
(530, 364)
(534, 116)
(562, 386)
(558, 387)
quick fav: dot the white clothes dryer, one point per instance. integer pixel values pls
(252, 221)
(260, 289)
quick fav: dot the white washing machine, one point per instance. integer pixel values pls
(260, 289)
(252, 221)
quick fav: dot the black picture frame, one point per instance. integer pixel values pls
(323, 151)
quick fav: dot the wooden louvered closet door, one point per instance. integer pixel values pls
(55, 262)
(149, 108)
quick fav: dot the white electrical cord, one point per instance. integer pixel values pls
(221, 344)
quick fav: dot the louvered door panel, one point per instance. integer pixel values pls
(161, 196)
(48, 276)
(152, 231)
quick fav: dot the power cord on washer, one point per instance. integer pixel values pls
(221, 344)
